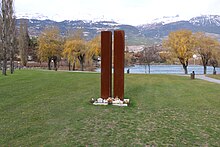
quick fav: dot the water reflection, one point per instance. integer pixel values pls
(168, 69)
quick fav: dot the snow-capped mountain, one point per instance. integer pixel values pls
(155, 23)
(205, 20)
(90, 29)
(37, 16)
(135, 35)
(204, 23)
(166, 20)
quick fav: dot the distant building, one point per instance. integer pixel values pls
(135, 49)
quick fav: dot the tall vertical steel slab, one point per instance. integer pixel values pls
(119, 47)
(106, 64)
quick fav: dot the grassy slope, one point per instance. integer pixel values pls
(52, 108)
(214, 76)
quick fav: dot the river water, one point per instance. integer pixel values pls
(168, 69)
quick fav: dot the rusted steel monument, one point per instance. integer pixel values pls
(106, 64)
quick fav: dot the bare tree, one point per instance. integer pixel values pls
(13, 44)
(215, 59)
(12, 36)
(205, 46)
(23, 42)
(6, 31)
(214, 63)
(32, 49)
(149, 54)
(1, 46)
(3, 37)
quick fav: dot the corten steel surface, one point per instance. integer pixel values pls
(119, 46)
(106, 64)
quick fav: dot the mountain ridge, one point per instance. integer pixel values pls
(135, 35)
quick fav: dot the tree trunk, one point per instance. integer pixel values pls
(40, 64)
(69, 65)
(49, 61)
(0, 64)
(55, 64)
(185, 69)
(24, 62)
(149, 68)
(205, 69)
(4, 40)
(184, 64)
(81, 60)
(12, 64)
(205, 63)
(81, 63)
(4, 65)
(74, 65)
(145, 66)
(214, 71)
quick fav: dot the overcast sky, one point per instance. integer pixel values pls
(132, 12)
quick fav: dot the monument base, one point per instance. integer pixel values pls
(110, 101)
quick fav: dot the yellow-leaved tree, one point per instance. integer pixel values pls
(50, 46)
(180, 45)
(205, 46)
(215, 59)
(69, 53)
(94, 49)
(76, 48)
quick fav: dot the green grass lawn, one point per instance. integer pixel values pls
(214, 76)
(46, 108)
